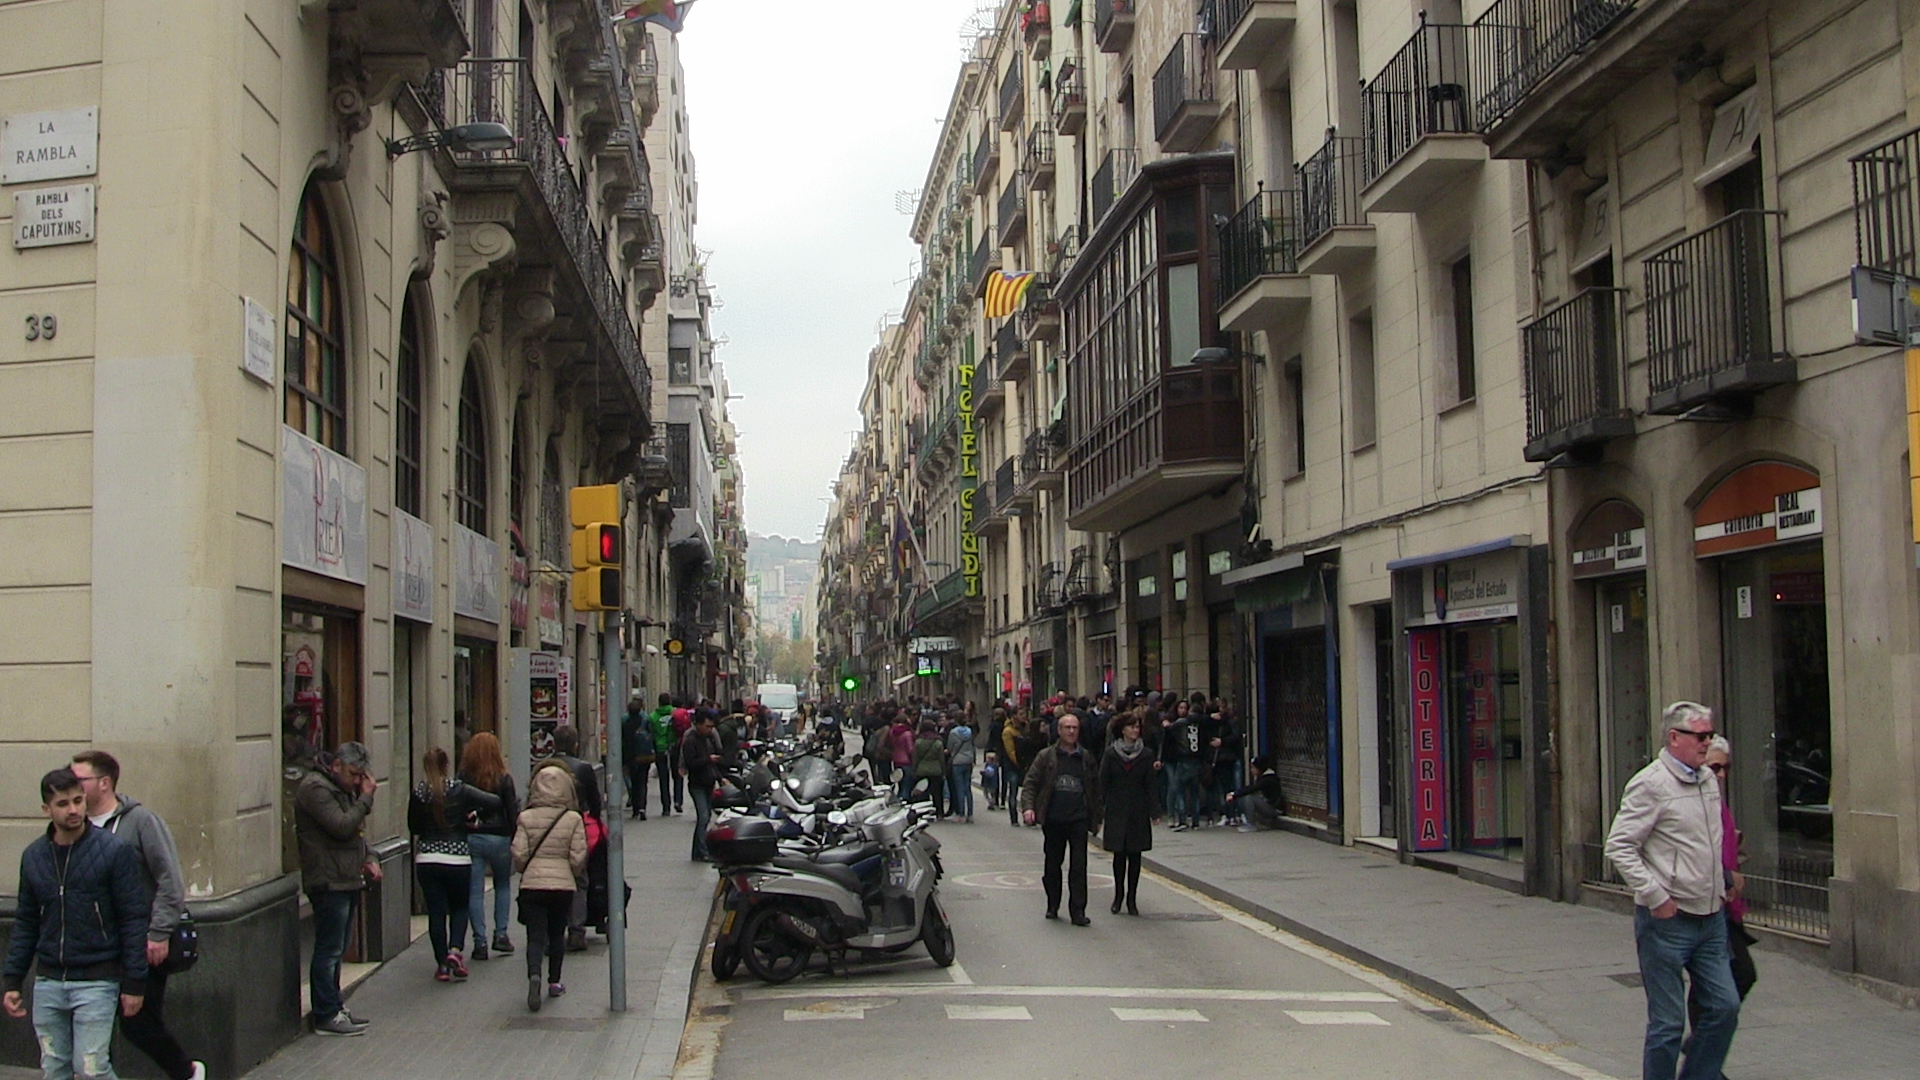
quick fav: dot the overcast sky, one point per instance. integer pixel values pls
(806, 120)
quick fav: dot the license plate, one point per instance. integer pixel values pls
(726, 924)
(896, 870)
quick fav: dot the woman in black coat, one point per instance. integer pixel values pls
(1132, 806)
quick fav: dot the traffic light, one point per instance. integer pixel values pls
(850, 683)
(597, 547)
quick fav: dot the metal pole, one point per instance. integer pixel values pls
(613, 669)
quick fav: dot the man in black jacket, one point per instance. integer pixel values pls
(1061, 794)
(82, 919)
(1261, 802)
(700, 762)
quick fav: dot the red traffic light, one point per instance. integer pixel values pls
(610, 544)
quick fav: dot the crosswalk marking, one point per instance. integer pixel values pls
(1161, 1016)
(827, 1010)
(1320, 1018)
(988, 1012)
(1154, 993)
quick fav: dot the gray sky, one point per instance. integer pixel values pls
(806, 119)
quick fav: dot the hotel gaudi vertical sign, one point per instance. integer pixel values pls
(969, 484)
(56, 145)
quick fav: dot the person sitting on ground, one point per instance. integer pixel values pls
(1261, 802)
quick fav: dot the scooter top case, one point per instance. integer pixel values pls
(744, 841)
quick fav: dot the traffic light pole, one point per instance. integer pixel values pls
(613, 669)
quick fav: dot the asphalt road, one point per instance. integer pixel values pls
(1188, 989)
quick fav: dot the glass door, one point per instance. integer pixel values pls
(1626, 722)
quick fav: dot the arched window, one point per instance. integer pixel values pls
(470, 481)
(406, 415)
(316, 394)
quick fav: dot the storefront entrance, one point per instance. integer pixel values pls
(1295, 668)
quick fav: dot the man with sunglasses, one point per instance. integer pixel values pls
(1666, 842)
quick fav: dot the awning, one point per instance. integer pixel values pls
(904, 678)
(1414, 562)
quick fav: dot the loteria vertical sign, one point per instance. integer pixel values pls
(1429, 783)
(969, 484)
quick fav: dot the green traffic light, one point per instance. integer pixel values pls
(849, 684)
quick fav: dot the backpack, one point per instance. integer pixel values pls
(643, 745)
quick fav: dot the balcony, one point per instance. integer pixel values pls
(395, 39)
(643, 71)
(1013, 95)
(1179, 437)
(1061, 251)
(559, 229)
(1040, 464)
(1069, 103)
(986, 259)
(947, 597)
(1006, 485)
(1259, 264)
(1546, 66)
(1886, 206)
(989, 390)
(1111, 180)
(1185, 108)
(1012, 210)
(985, 169)
(1036, 26)
(1040, 319)
(1336, 236)
(1011, 356)
(1575, 378)
(1039, 160)
(1112, 24)
(1420, 133)
(1253, 28)
(1715, 336)
(991, 503)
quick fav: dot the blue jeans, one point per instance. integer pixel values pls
(960, 790)
(702, 814)
(332, 920)
(1184, 787)
(490, 852)
(1011, 777)
(75, 1023)
(1696, 944)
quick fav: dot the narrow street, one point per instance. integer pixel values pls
(1188, 980)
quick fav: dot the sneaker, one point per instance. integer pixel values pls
(199, 1071)
(503, 945)
(556, 989)
(457, 964)
(533, 993)
(443, 973)
(480, 948)
(356, 1021)
(337, 1024)
(576, 941)
(1177, 827)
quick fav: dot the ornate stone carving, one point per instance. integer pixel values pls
(479, 247)
(434, 227)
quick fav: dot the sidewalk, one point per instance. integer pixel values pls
(1559, 975)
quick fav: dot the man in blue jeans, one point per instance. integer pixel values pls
(81, 922)
(330, 815)
(1666, 843)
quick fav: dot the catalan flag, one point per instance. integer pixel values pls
(671, 14)
(1005, 292)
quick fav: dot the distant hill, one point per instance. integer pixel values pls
(766, 552)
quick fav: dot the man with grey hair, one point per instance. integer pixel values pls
(330, 815)
(1666, 842)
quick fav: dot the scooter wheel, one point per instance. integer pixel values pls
(937, 932)
(726, 961)
(770, 954)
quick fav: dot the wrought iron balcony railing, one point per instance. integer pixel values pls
(1422, 91)
(1886, 205)
(985, 167)
(504, 92)
(1039, 165)
(1330, 183)
(1263, 238)
(1714, 327)
(949, 592)
(1005, 479)
(1070, 103)
(1184, 80)
(1012, 209)
(1575, 375)
(1013, 95)
(1112, 24)
(1112, 179)
(1517, 44)
(986, 259)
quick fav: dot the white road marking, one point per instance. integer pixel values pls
(1160, 1016)
(988, 1012)
(959, 974)
(1546, 1057)
(827, 1010)
(1321, 997)
(1325, 1018)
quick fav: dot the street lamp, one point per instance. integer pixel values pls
(479, 137)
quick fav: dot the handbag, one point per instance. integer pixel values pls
(183, 948)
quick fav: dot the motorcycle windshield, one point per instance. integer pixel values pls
(816, 778)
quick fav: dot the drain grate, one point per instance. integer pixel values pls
(1628, 978)
(1180, 916)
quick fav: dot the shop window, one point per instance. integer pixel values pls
(406, 415)
(1484, 737)
(470, 481)
(1296, 718)
(1147, 654)
(316, 365)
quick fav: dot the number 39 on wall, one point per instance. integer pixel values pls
(42, 327)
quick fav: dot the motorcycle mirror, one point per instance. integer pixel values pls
(793, 783)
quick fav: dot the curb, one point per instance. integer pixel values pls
(1483, 1005)
(708, 1006)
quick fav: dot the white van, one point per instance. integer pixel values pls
(781, 699)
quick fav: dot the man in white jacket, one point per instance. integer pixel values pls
(1666, 843)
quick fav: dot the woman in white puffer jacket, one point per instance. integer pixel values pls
(550, 851)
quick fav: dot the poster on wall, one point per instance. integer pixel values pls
(1471, 590)
(412, 567)
(323, 510)
(1426, 719)
(549, 700)
(476, 575)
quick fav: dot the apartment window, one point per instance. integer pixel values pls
(554, 535)
(1460, 285)
(316, 364)
(517, 481)
(1296, 387)
(680, 367)
(680, 461)
(470, 454)
(1346, 67)
(1362, 388)
(406, 415)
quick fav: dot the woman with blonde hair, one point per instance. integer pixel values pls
(549, 850)
(483, 768)
(440, 814)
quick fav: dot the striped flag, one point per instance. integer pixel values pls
(671, 14)
(1005, 292)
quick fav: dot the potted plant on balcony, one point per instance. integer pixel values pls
(1034, 14)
